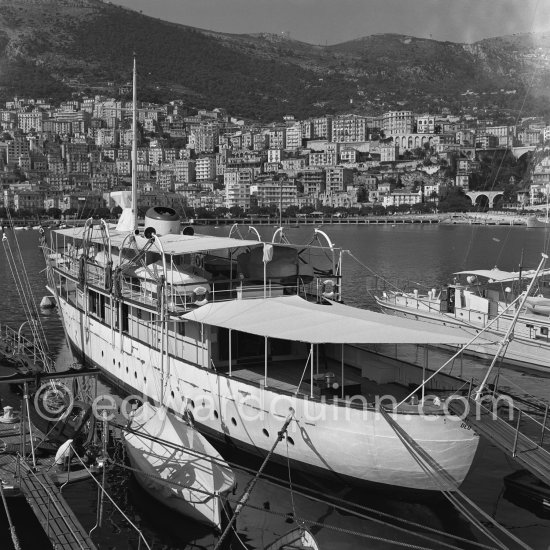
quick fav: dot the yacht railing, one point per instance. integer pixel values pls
(180, 297)
(13, 341)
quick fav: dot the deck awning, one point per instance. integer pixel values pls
(172, 244)
(293, 318)
(496, 275)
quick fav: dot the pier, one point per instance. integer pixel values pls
(38, 487)
(521, 436)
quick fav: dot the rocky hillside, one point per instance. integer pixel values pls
(54, 47)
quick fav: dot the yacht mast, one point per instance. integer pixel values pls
(134, 150)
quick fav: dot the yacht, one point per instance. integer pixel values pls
(484, 301)
(237, 335)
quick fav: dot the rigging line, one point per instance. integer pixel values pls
(372, 519)
(390, 284)
(40, 327)
(25, 289)
(248, 489)
(305, 492)
(536, 398)
(437, 475)
(103, 491)
(24, 302)
(350, 531)
(448, 494)
(13, 532)
(437, 471)
(503, 245)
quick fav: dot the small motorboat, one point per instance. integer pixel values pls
(176, 465)
(300, 538)
(68, 468)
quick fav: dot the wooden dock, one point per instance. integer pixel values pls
(520, 441)
(57, 519)
(39, 489)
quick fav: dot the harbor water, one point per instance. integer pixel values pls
(427, 255)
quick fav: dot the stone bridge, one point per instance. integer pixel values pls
(484, 198)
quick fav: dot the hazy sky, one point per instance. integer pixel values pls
(333, 21)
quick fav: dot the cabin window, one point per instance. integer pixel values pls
(124, 313)
(92, 302)
(544, 331)
(102, 307)
(180, 328)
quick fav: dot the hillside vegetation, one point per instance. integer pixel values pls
(52, 47)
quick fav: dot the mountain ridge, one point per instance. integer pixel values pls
(55, 48)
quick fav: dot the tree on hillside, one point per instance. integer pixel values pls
(236, 212)
(455, 201)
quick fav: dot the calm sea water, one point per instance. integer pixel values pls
(426, 254)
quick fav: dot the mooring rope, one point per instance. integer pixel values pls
(252, 482)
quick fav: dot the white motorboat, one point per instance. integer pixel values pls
(176, 465)
(484, 300)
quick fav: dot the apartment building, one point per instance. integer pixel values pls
(505, 134)
(321, 128)
(276, 137)
(282, 193)
(293, 136)
(397, 198)
(349, 129)
(205, 168)
(338, 179)
(313, 181)
(15, 148)
(31, 121)
(398, 122)
(184, 171)
(389, 152)
(28, 200)
(322, 158)
(425, 125)
(237, 194)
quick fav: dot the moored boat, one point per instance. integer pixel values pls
(297, 539)
(483, 300)
(259, 343)
(177, 466)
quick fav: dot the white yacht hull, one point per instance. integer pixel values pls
(354, 444)
(521, 352)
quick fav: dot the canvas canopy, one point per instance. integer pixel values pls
(496, 275)
(293, 318)
(172, 244)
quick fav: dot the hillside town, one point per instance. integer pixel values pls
(68, 159)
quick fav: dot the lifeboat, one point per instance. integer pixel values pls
(284, 267)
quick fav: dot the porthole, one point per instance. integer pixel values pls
(145, 379)
(191, 404)
(114, 362)
(265, 432)
(135, 375)
(233, 421)
(126, 369)
(101, 353)
(172, 394)
(216, 415)
(119, 365)
(290, 440)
